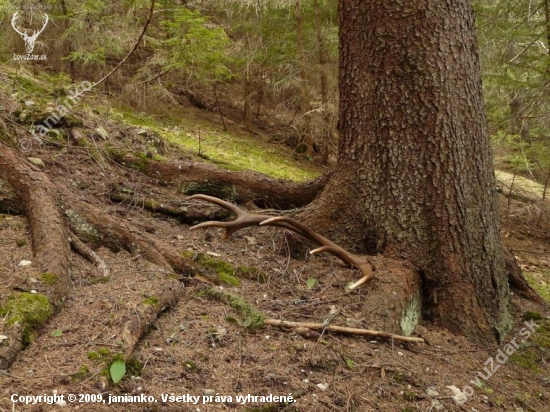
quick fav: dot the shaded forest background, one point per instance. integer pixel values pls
(273, 64)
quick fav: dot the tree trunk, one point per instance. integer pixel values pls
(327, 127)
(305, 106)
(414, 178)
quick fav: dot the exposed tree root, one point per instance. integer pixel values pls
(51, 207)
(81, 248)
(187, 214)
(37, 197)
(43, 204)
(39, 200)
(250, 186)
(167, 294)
(92, 224)
(9, 350)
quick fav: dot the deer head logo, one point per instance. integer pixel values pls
(29, 40)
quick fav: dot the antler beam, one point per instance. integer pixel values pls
(245, 219)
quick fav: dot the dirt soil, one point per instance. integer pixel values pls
(202, 347)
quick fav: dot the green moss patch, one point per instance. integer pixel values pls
(253, 318)
(542, 336)
(539, 281)
(31, 310)
(226, 272)
(526, 359)
(49, 279)
(21, 242)
(82, 373)
(229, 150)
(151, 301)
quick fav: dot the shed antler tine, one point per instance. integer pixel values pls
(326, 245)
(244, 219)
(237, 211)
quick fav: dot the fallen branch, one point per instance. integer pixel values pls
(342, 329)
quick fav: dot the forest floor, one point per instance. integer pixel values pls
(207, 347)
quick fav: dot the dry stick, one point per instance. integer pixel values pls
(131, 51)
(511, 188)
(342, 329)
(219, 108)
(544, 194)
(81, 248)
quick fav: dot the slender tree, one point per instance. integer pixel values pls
(414, 178)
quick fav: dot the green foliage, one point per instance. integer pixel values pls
(513, 38)
(311, 282)
(195, 47)
(57, 333)
(117, 370)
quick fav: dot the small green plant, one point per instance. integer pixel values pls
(311, 282)
(117, 370)
(21, 242)
(349, 362)
(531, 316)
(57, 333)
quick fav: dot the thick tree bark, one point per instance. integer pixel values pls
(414, 178)
(38, 197)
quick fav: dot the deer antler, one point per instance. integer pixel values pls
(245, 219)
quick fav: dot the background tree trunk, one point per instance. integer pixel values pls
(414, 178)
(305, 105)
